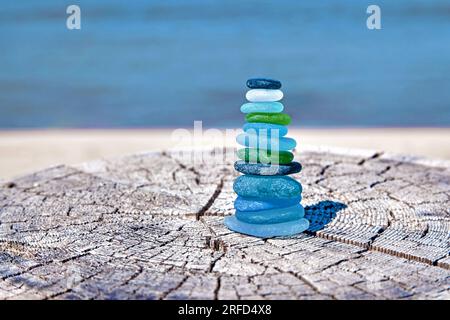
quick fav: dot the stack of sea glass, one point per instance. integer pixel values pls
(268, 202)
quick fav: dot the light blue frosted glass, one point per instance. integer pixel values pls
(267, 230)
(272, 216)
(258, 141)
(267, 129)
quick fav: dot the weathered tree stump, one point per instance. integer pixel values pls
(150, 226)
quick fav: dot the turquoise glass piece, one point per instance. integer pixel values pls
(272, 216)
(268, 107)
(263, 142)
(265, 129)
(267, 230)
(267, 187)
(257, 204)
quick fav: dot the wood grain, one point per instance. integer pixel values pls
(149, 226)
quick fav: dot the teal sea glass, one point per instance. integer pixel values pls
(257, 204)
(272, 216)
(267, 187)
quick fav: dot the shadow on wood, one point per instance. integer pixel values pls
(322, 213)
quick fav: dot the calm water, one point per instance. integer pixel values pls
(168, 63)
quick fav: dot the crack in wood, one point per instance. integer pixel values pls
(210, 201)
(376, 155)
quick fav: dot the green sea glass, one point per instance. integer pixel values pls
(274, 118)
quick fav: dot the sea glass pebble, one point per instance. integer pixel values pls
(264, 95)
(275, 118)
(267, 230)
(263, 142)
(272, 216)
(256, 204)
(267, 187)
(265, 156)
(269, 107)
(268, 129)
(263, 83)
(263, 169)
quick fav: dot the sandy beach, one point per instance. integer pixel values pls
(25, 151)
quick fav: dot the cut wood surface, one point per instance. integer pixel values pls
(149, 226)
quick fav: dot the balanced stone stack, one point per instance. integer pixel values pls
(268, 202)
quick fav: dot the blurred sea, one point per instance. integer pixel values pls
(163, 63)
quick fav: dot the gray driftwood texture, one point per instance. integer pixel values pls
(150, 226)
